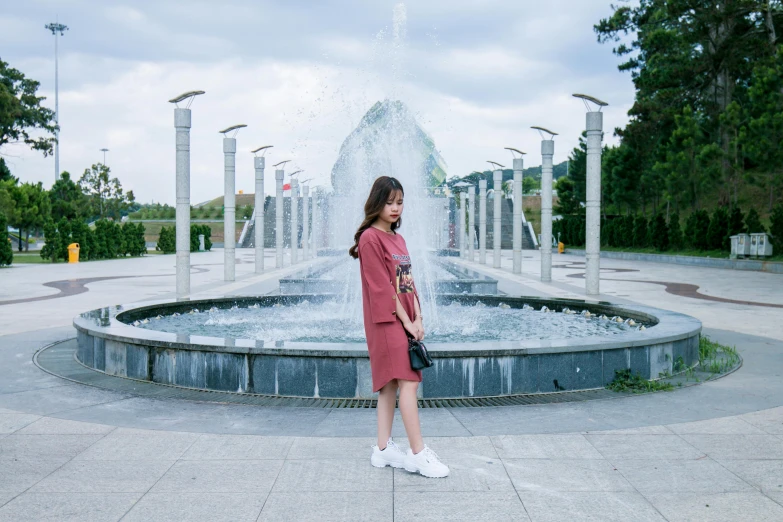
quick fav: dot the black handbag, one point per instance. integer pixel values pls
(420, 357)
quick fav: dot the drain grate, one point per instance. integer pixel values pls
(59, 359)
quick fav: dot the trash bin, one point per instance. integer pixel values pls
(560, 247)
(740, 246)
(73, 253)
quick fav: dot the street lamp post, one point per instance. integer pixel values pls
(279, 175)
(229, 201)
(595, 120)
(259, 163)
(294, 218)
(104, 150)
(57, 29)
(497, 195)
(547, 152)
(305, 222)
(471, 223)
(182, 125)
(483, 221)
(517, 213)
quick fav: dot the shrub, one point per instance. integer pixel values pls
(133, 236)
(696, 228)
(640, 236)
(736, 222)
(195, 230)
(753, 223)
(675, 232)
(6, 250)
(167, 242)
(718, 232)
(659, 233)
(775, 228)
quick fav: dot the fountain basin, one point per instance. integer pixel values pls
(108, 343)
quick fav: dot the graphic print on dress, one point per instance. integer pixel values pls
(404, 274)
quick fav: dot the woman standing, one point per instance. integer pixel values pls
(391, 307)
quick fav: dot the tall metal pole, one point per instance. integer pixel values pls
(182, 124)
(316, 222)
(229, 208)
(305, 222)
(472, 223)
(463, 209)
(57, 28)
(294, 221)
(593, 195)
(497, 186)
(182, 147)
(483, 221)
(259, 163)
(547, 152)
(279, 175)
(517, 228)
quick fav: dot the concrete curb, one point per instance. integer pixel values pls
(774, 267)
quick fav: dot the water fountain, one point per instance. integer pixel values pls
(308, 341)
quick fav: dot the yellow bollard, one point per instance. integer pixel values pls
(73, 253)
(560, 247)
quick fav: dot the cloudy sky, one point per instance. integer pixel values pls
(301, 74)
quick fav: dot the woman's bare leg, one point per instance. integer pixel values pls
(409, 408)
(385, 411)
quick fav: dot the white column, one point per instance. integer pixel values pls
(518, 172)
(258, 224)
(593, 203)
(463, 214)
(229, 206)
(472, 223)
(279, 174)
(497, 185)
(547, 151)
(483, 221)
(294, 221)
(182, 125)
(316, 223)
(305, 222)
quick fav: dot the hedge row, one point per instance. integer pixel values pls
(701, 231)
(167, 242)
(108, 241)
(6, 250)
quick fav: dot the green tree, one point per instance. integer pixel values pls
(736, 221)
(167, 240)
(5, 172)
(67, 199)
(21, 113)
(659, 233)
(775, 227)
(764, 132)
(696, 228)
(753, 222)
(106, 199)
(32, 209)
(675, 231)
(640, 232)
(577, 169)
(566, 198)
(52, 241)
(718, 232)
(6, 251)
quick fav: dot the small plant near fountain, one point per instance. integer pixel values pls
(626, 381)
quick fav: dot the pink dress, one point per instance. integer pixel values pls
(386, 277)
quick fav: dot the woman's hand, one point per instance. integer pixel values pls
(418, 329)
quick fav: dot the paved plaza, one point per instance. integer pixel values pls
(708, 452)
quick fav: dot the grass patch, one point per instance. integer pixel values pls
(625, 381)
(715, 357)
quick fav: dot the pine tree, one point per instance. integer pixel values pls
(675, 231)
(640, 235)
(718, 232)
(659, 233)
(753, 222)
(6, 250)
(775, 228)
(736, 221)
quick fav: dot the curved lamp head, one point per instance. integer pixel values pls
(585, 98)
(262, 150)
(234, 128)
(542, 131)
(281, 163)
(496, 164)
(185, 96)
(514, 151)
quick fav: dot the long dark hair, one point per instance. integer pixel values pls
(380, 192)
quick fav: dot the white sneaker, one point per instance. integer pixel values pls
(392, 456)
(427, 463)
